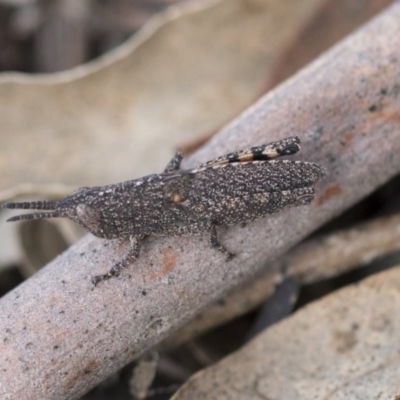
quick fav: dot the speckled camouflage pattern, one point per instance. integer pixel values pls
(232, 189)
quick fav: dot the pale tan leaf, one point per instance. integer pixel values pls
(345, 346)
(186, 72)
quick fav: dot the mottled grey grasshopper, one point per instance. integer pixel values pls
(232, 189)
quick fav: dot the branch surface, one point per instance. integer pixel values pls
(60, 336)
(313, 260)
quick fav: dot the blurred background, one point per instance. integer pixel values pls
(50, 36)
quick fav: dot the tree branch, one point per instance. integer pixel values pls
(315, 259)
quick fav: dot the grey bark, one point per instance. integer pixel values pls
(60, 336)
(315, 259)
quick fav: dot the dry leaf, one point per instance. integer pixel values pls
(186, 72)
(345, 346)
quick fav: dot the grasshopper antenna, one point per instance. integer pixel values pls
(33, 205)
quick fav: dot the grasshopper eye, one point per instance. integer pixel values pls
(89, 218)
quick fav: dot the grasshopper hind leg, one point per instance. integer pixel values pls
(132, 255)
(269, 151)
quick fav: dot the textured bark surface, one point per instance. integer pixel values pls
(312, 261)
(60, 336)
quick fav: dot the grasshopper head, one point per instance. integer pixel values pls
(79, 206)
